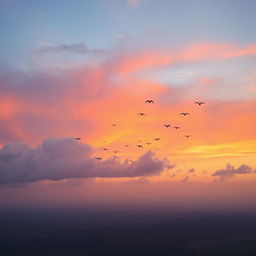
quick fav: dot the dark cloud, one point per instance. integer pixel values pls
(191, 170)
(65, 158)
(230, 171)
(71, 48)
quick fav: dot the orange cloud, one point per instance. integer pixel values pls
(151, 58)
(87, 101)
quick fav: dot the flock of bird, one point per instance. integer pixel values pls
(199, 103)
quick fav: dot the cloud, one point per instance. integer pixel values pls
(191, 170)
(154, 58)
(71, 48)
(85, 100)
(64, 158)
(230, 171)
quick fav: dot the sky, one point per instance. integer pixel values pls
(85, 68)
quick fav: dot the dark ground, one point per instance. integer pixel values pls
(44, 233)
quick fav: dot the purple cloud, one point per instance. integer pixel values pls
(191, 170)
(65, 158)
(230, 171)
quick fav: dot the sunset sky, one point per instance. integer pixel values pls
(72, 69)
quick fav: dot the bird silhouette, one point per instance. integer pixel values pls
(167, 125)
(176, 127)
(184, 113)
(148, 143)
(131, 161)
(116, 151)
(149, 101)
(105, 148)
(199, 103)
(77, 138)
(98, 158)
(141, 114)
(114, 124)
(187, 136)
(139, 146)
(157, 139)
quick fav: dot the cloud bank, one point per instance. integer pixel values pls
(63, 158)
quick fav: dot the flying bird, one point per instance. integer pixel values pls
(131, 161)
(187, 136)
(149, 101)
(148, 143)
(167, 125)
(116, 151)
(98, 158)
(184, 114)
(199, 103)
(176, 127)
(156, 138)
(77, 138)
(141, 114)
(105, 148)
(139, 146)
(114, 124)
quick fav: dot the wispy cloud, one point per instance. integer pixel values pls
(70, 48)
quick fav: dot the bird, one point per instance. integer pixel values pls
(199, 103)
(157, 139)
(184, 113)
(131, 161)
(139, 146)
(167, 125)
(148, 143)
(98, 158)
(77, 138)
(105, 148)
(114, 124)
(141, 114)
(149, 101)
(116, 151)
(176, 127)
(187, 136)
